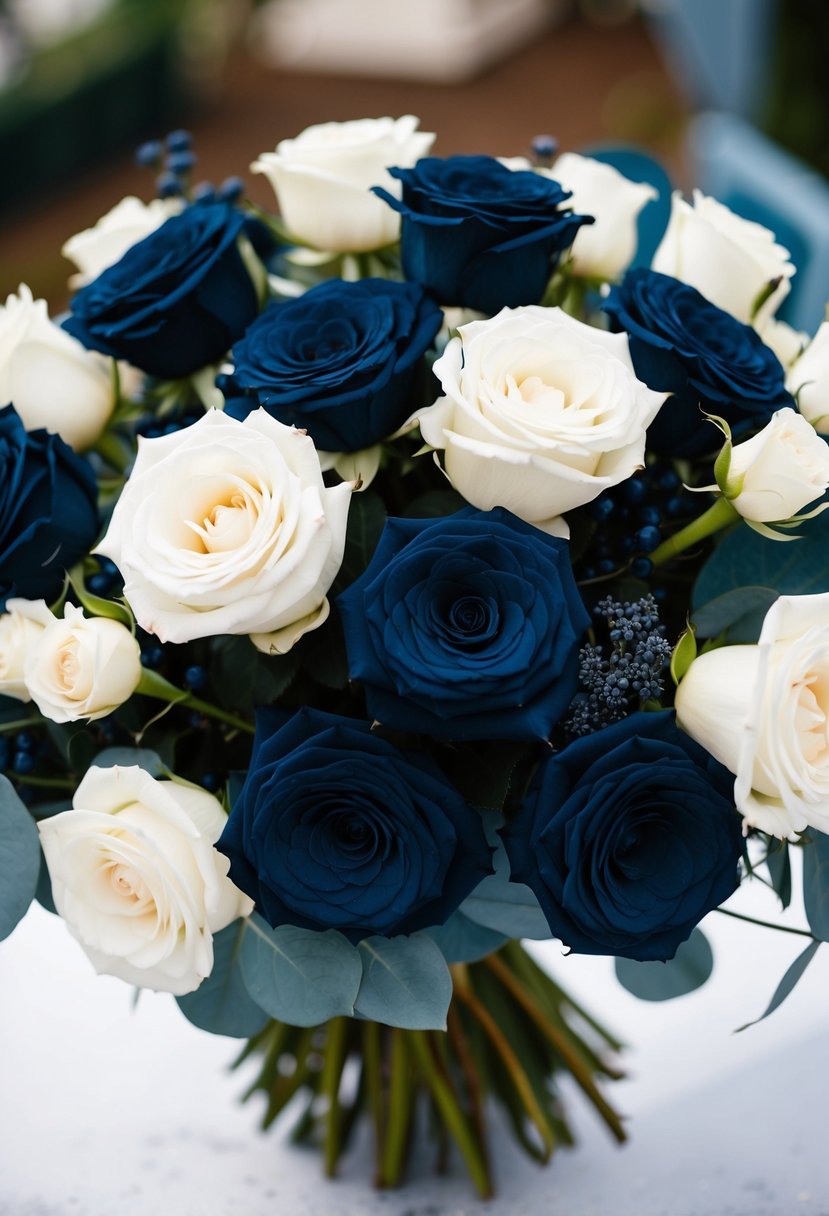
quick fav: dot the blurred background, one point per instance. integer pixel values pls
(727, 94)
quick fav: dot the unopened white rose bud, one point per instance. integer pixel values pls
(20, 628)
(49, 377)
(730, 260)
(82, 667)
(780, 470)
(606, 248)
(130, 221)
(323, 179)
(809, 379)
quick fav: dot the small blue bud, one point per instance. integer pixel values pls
(648, 539)
(148, 155)
(167, 186)
(23, 763)
(179, 141)
(180, 163)
(195, 678)
(231, 189)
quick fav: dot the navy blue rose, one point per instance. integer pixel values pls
(48, 510)
(340, 361)
(466, 627)
(477, 234)
(628, 838)
(176, 301)
(683, 344)
(336, 828)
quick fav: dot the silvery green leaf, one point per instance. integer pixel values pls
(299, 976)
(19, 858)
(222, 1003)
(406, 982)
(654, 981)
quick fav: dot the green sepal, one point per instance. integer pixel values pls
(683, 653)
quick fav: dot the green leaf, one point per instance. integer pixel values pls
(234, 672)
(780, 871)
(497, 903)
(788, 982)
(461, 940)
(406, 982)
(43, 889)
(19, 859)
(366, 520)
(322, 654)
(434, 504)
(481, 772)
(683, 654)
(816, 883)
(745, 559)
(299, 976)
(653, 981)
(740, 612)
(95, 605)
(222, 1003)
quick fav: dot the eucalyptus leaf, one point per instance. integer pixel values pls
(509, 908)
(740, 612)
(323, 654)
(299, 976)
(780, 871)
(222, 1003)
(654, 981)
(788, 982)
(129, 757)
(406, 982)
(19, 859)
(816, 883)
(461, 940)
(745, 559)
(43, 889)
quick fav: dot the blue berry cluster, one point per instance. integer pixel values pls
(620, 679)
(631, 519)
(174, 160)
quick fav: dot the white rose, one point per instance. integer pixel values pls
(323, 179)
(51, 379)
(809, 379)
(780, 470)
(227, 527)
(763, 712)
(541, 414)
(20, 629)
(728, 259)
(81, 667)
(130, 221)
(606, 248)
(786, 342)
(137, 879)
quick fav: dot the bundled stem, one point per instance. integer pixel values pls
(508, 1037)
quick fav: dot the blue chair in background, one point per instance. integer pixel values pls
(756, 178)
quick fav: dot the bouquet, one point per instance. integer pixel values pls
(387, 582)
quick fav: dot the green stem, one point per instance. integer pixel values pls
(453, 1116)
(19, 724)
(373, 1074)
(154, 685)
(332, 1071)
(45, 783)
(393, 1158)
(113, 451)
(716, 517)
(767, 924)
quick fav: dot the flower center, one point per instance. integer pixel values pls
(811, 720)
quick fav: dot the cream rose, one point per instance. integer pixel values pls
(130, 221)
(323, 178)
(809, 379)
(606, 248)
(81, 667)
(541, 413)
(137, 879)
(20, 628)
(227, 527)
(730, 260)
(51, 379)
(763, 712)
(778, 471)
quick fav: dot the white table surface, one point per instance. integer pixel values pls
(106, 1110)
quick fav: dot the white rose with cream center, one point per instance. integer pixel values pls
(763, 712)
(136, 877)
(541, 413)
(105, 243)
(227, 527)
